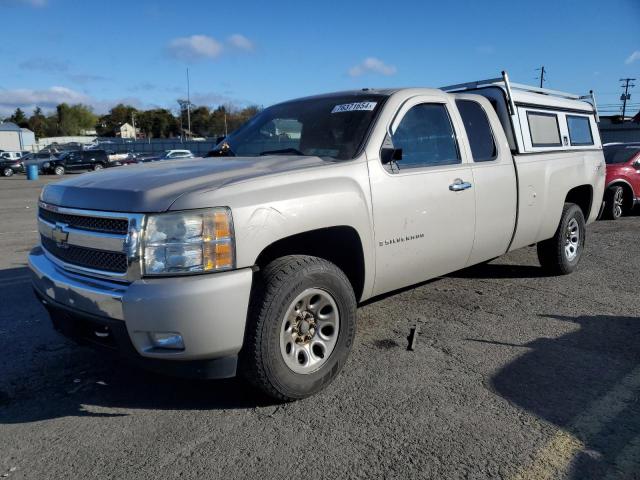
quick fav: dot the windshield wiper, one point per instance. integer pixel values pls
(293, 151)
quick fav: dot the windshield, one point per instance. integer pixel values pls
(332, 127)
(620, 154)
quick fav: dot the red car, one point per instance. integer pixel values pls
(623, 179)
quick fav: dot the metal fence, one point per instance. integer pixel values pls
(156, 145)
(627, 132)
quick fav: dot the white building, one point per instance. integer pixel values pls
(16, 139)
(126, 130)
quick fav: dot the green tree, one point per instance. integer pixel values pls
(158, 123)
(200, 120)
(19, 118)
(38, 123)
(73, 119)
(118, 115)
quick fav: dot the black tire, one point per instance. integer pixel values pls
(614, 203)
(276, 288)
(553, 254)
(7, 172)
(58, 170)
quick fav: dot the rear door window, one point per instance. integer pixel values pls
(478, 128)
(579, 130)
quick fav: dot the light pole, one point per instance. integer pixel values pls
(188, 104)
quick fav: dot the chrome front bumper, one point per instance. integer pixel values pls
(209, 311)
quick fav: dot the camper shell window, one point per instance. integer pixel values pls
(579, 130)
(544, 129)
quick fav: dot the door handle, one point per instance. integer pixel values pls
(458, 185)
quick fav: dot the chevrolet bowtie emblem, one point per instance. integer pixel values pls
(60, 235)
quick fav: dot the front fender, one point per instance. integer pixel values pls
(271, 208)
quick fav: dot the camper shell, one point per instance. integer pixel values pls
(537, 120)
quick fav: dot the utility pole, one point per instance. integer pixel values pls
(542, 72)
(133, 122)
(626, 95)
(188, 104)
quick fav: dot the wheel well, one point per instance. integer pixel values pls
(581, 196)
(340, 245)
(628, 191)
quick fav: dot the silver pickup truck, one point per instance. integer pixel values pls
(253, 262)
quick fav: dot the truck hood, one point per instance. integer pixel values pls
(153, 187)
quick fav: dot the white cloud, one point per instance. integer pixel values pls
(47, 99)
(195, 47)
(240, 42)
(633, 57)
(372, 65)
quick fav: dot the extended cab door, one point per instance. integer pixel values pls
(423, 205)
(494, 173)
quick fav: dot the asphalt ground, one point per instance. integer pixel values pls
(514, 375)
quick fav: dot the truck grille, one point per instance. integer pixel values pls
(95, 224)
(87, 257)
(94, 243)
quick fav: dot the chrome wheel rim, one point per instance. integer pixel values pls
(309, 331)
(618, 200)
(572, 240)
(97, 167)
(59, 171)
(8, 172)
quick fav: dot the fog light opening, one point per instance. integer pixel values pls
(166, 340)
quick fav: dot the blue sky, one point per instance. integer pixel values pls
(262, 52)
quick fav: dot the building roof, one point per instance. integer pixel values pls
(9, 127)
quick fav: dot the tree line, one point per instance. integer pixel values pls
(72, 120)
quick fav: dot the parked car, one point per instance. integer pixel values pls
(146, 157)
(254, 265)
(10, 155)
(175, 154)
(38, 159)
(10, 166)
(623, 179)
(123, 160)
(77, 160)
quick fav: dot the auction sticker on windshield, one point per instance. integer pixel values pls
(352, 107)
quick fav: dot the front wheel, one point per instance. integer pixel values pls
(561, 254)
(7, 172)
(97, 166)
(59, 170)
(301, 326)
(614, 203)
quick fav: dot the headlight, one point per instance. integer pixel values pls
(193, 241)
(46, 165)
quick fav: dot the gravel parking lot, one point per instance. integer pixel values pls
(515, 375)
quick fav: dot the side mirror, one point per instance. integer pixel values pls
(636, 165)
(388, 155)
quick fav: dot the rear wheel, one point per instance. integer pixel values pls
(561, 254)
(97, 166)
(7, 172)
(614, 204)
(59, 170)
(301, 327)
